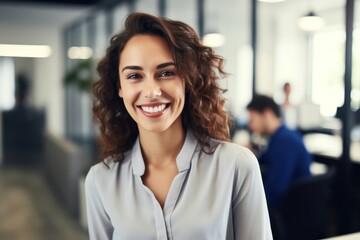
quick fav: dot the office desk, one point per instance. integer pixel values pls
(331, 146)
(353, 236)
(317, 143)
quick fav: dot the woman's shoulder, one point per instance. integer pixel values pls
(102, 177)
(239, 155)
(244, 164)
(109, 165)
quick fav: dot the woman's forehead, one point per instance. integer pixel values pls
(145, 48)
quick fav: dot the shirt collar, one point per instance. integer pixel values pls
(280, 128)
(278, 131)
(183, 160)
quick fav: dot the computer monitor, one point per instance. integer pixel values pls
(309, 116)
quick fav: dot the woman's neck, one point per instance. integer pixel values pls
(162, 148)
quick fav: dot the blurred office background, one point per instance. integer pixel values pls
(265, 43)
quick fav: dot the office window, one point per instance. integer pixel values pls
(120, 13)
(101, 39)
(7, 83)
(185, 11)
(147, 6)
(329, 70)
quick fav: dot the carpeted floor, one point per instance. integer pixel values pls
(29, 210)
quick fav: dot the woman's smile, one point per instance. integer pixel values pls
(153, 110)
(152, 91)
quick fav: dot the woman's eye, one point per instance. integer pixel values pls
(133, 76)
(167, 74)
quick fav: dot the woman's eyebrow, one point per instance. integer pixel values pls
(132, 68)
(162, 65)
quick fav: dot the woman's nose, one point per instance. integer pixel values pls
(153, 90)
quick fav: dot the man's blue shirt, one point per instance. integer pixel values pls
(286, 159)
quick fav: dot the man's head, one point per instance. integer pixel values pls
(264, 115)
(22, 88)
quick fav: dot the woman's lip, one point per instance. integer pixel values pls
(152, 104)
(147, 109)
(154, 114)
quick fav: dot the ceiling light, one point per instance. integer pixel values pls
(311, 22)
(80, 53)
(31, 51)
(213, 40)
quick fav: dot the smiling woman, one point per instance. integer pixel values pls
(153, 94)
(168, 170)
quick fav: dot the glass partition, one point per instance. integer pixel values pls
(234, 24)
(185, 11)
(311, 60)
(120, 13)
(147, 6)
(329, 60)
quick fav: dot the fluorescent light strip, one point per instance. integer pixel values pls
(30, 51)
(214, 40)
(80, 53)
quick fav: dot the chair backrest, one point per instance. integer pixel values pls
(305, 207)
(23, 134)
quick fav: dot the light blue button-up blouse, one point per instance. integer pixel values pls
(214, 196)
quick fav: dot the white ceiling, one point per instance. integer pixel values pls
(60, 15)
(56, 16)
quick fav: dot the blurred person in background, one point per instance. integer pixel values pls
(23, 128)
(285, 158)
(287, 91)
(169, 170)
(289, 111)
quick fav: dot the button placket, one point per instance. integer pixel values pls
(172, 199)
(158, 215)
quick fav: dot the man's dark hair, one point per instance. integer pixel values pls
(261, 102)
(22, 86)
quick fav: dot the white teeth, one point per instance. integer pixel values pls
(153, 109)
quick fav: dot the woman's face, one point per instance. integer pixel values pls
(152, 92)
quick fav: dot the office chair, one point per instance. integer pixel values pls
(303, 212)
(23, 136)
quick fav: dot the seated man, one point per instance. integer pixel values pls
(23, 129)
(285, 158)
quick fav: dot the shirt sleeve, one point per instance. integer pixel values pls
(100, 227)
(250, 213)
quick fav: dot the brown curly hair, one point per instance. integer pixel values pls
(196, 64)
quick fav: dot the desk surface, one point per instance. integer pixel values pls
(316, 143)
(330, 145)
(353, 236)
